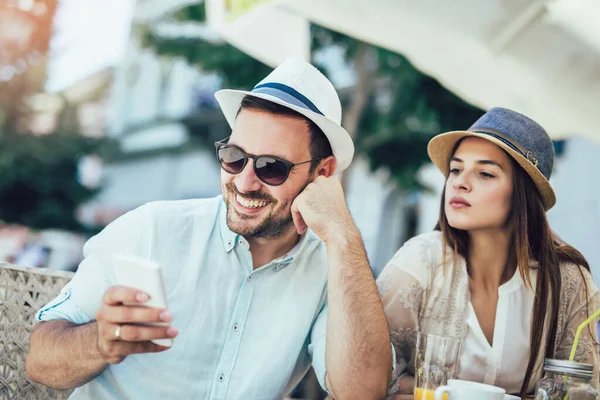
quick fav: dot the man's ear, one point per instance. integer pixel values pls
(326, 167)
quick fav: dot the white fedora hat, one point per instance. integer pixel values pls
(299, 86)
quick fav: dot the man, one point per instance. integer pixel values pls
(258, 281)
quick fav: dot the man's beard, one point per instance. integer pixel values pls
(271, 227)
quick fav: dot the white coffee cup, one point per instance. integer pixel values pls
(465, 390)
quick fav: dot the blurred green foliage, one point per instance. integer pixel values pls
(39, 185)
(415, 108)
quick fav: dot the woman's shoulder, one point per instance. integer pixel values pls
(574, 274)
(424, 250)
(433, 238)
(575, 279)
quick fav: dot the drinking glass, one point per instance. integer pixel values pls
(436, 361)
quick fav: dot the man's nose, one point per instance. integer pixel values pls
(247, 181)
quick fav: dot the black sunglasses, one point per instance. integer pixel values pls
(271, 170)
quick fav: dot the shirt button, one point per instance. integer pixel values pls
(250, 277)
(235, 327)
(221, 378)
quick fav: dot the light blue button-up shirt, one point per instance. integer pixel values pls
(243, 333)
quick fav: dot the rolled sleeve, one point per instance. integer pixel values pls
(316, 348)
(80, 300)
(62, 308)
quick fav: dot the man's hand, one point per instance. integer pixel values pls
(122, 330)
(405, 390)
(322, 207)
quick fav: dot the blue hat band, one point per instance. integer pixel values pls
(287, 94)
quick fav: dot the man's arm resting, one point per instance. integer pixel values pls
(64, 355)
(358, 354)
(358, 351)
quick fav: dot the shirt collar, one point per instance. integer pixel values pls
(512, 284)
(230, 239)
(517, 281)
(227, 235)
(294, 252)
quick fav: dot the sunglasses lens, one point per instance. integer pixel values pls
(231, 159)
(271, 171)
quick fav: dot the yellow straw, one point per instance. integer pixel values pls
(576, 341)
(578, 334)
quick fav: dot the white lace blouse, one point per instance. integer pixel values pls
(418, 296)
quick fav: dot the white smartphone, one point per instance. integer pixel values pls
(145, 275)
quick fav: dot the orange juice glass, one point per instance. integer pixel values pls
(436, 359)
(427, 394)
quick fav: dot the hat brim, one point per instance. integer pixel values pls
(341, 143)
(441, 146)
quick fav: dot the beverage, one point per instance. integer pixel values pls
(425, 394)
(436, 360)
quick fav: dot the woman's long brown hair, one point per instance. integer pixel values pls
(534, 240)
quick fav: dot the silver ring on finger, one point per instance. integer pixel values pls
(118, 332)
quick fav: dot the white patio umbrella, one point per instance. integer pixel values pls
(539, 57)
(261, 28)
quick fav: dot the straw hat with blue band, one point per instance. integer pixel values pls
(299, 86)
(521, 137)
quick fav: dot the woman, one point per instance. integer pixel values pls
(493, 273)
